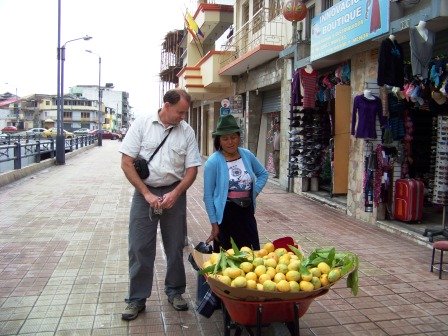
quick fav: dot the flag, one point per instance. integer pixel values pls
(191, 23)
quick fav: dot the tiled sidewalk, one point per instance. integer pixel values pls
(63, 261)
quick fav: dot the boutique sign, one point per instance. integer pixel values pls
(346, 24)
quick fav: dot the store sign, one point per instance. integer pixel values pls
(346, 24)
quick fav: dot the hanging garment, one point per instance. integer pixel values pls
(296, 96)
(396, 116)
(309, 86)
(390, 64)
(384, 100)
(421, 52)
(375, 18)
(364, 116)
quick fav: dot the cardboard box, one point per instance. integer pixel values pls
(247, 294)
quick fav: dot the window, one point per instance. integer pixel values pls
(275, 9)
(68, 115)
(257, 16)
(326, 4)
(85, 115)
(311, 14)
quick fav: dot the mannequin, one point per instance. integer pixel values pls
(421, 41)
(390, 63)
(309, 68)
(422, 30)
(308, 86)
(368, 94)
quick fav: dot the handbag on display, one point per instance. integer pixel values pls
(141, 165)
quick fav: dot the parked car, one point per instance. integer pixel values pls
(9, 129)
(106, 134)
(35, 131)
(52, 132)
(3, 138)
(81, 131)
(31, 132)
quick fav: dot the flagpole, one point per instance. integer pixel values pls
(190, 28)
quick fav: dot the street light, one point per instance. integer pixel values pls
(100, 127)
(60, 139)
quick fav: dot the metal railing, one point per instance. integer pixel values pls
(20, 151)
(265, 27)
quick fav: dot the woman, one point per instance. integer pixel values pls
(233, 177)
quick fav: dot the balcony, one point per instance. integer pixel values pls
(256, 42)
(213, 20)
(202, 81)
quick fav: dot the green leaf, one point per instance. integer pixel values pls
(223, 261)
(296, 251)
(353, 281)
(330, 257)
(235, 248)
(231, 263)
(304, 269)
(208, 269)
(216, 268)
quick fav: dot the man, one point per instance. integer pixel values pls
(159, 198)
(276, 147)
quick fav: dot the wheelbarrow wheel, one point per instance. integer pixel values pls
(229, 324)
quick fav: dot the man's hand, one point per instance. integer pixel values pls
(127, 165)
(168, 200)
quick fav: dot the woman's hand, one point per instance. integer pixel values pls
(213, 234)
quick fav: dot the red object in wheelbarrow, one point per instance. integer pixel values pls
(259, 313)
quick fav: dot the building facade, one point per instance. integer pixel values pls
(316, 77)
(117, 111)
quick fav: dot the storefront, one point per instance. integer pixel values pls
(386, 121)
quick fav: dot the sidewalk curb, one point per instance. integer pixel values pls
(15, 175)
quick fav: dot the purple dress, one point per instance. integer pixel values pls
(364, 117)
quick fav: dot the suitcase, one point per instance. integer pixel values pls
(408, 200)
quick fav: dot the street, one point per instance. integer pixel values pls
(63, 260)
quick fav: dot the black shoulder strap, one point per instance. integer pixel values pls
(161, 144)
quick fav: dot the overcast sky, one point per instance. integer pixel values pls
(127, 34)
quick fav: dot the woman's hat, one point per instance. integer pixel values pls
(226, 125)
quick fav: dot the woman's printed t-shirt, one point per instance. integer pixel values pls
(239, 178)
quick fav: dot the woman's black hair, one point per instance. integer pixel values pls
(216, 142)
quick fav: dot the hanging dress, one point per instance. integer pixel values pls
(309, 85)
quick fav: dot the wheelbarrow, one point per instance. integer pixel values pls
(263, 309)
(239, 314)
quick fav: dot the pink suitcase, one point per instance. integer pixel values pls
(409, 200)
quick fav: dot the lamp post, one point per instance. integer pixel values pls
(100, 127)
(60, 139)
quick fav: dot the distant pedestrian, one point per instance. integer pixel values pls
(274, 134)
(233, 178)
(159, 198)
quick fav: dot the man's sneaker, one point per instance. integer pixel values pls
(131, 311)
(178, 302)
